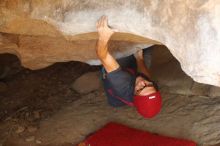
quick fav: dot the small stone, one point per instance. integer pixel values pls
(3, 87)
(30, 138)
(38, 142)
(20, 129)
(36, 114)
(27, 114)
(32, 129)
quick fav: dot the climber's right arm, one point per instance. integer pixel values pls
(142, 68)
(105, 33)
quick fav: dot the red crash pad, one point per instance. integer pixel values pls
(114, 134)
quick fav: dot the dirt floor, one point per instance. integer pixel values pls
(28, 97)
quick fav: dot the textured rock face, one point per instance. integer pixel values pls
(42, 32)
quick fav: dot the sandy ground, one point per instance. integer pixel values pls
(188, 117)
(40, 108)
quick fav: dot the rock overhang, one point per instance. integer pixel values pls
(188, 28)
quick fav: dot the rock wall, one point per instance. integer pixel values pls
(42, 32)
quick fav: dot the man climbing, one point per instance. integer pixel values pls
(127, 80)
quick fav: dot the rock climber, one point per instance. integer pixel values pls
(126, 80)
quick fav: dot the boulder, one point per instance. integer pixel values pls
(88, 82)
(42, 32)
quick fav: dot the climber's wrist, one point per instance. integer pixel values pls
(103, 39)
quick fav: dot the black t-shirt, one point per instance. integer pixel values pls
(122, 83)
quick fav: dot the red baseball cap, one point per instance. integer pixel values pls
(148, 106)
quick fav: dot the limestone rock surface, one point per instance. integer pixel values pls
(42, 32)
